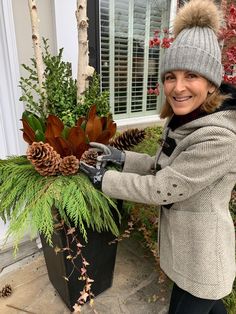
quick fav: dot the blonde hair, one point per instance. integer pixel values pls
(212, 102)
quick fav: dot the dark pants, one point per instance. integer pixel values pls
(182, 302)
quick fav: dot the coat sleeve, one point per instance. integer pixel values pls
(204, 162)
(138, 163)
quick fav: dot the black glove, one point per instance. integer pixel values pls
(95, 175)
(109, 154)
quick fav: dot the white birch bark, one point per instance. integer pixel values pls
(37, 46)
(84, 70)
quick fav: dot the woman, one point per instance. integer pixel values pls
(194, 172)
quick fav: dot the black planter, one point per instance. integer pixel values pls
(97, 251)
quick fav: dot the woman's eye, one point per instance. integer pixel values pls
(169, 77)
(191, 75)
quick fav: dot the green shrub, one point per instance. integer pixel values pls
(61, 91)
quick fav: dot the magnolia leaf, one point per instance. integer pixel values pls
(28, 133)
(60, 145)
(92, 112)
(111, 126)
(35, 123)
(104, 122)
(81, 122)
(77, 139)
(104, 137)
(93, 128)
(54, 127)
(65, 132)
(39, 136)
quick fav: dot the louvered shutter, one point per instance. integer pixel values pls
(128, 66)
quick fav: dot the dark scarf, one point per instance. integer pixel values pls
(177, 121)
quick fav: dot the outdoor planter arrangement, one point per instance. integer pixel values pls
(43, 191)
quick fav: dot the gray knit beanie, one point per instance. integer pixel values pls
(196, 47)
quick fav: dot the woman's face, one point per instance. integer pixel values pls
(185, 91)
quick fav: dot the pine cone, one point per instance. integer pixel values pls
(69, 165)
(128, 139)
(90, 157)
(44, 158)
(6, 291)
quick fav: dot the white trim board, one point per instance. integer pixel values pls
(11, 142)
(10, 108)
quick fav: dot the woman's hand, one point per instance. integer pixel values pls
(95, 175)
(109, 154)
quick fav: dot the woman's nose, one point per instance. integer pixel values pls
(179, 85)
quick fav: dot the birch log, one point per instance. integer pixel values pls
(37, 46)
(84, 70)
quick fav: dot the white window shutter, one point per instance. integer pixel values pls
(128, 66)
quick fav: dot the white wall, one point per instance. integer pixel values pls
(66, 31)
(23, 27)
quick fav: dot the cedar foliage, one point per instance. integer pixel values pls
(27, 199)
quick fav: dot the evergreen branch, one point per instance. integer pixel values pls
(27, 200)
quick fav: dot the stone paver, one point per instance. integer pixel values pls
(135, 283)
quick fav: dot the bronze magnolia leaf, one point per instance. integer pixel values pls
(54, 127)
(104, 137)
(93, 128)
(60, 145)
(78, 141)
(28, 133)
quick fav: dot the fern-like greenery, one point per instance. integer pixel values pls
(27, 200)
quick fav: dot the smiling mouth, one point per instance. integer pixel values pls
(181, 99)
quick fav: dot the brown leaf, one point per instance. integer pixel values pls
(92, 112)
(104, 122)
(103, 137)
(28, 133)
(78, 141)
(111, 126)
(80, 121)
(54, 127)
(93, 128)
(60, 145)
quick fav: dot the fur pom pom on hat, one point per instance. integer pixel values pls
(196, 46)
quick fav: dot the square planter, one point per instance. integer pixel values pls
(98, 253)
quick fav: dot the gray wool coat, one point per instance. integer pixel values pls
(193, 185)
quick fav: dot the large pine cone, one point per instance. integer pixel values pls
(69, 165)
(90, 157)
(6, 291)
(44, 158)
(128, 139)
